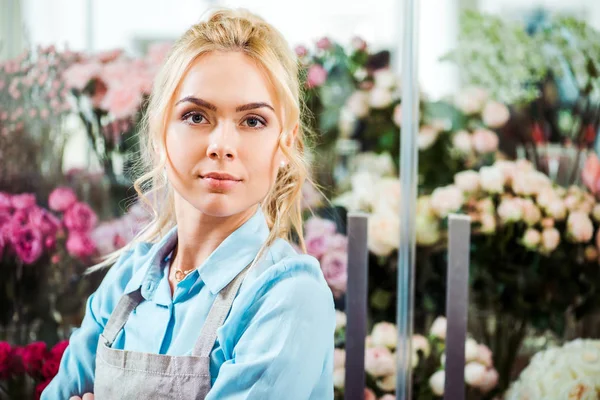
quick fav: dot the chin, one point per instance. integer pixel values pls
(218, 205)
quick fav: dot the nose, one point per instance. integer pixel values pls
(222, 143)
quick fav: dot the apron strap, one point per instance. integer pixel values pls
(216, 316)
(119, 316)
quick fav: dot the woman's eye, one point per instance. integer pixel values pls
(254, 122)
(194, 118)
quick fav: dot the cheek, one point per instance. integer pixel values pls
(182, 150)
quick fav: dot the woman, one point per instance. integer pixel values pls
(212, 302)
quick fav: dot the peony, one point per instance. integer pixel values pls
(438, 328)
(316, 246)
(317, 75)
(80, 218)
(474, 373)
(437, 382)
(80, 245)
(27, 243)
(550, 239)
(485, 141)
(532, 238)
(491, 179)
(471, 100)
(510, 210)
(61, 199)
(334, 265)
(385, 334)
(495, 114)
(426, 137)
(77, 76)
(380, 98)
(461, 141)
(379, 362)
(580, 227)
(23, 201)
(6, 360)
(383, 233)
(445, 200)
(358, 103)
(467, 181)
(420, 343)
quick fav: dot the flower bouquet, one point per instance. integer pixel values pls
(427, 363)
(534, 252)
(43, 253)
(25, 371)
(568, 372)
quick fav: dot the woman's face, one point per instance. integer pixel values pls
(222, 138)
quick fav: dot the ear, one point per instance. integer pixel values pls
(290, 138)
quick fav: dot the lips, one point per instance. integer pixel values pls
(220, 176)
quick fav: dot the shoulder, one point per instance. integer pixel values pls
(287, 278)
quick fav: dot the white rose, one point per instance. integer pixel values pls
(445, 200)
(475, 373)
(379, 362)
(340, 320)
(556, 209)
(471, 100)
(438, 328)
(383, 233)
(380, 98)
(532, 238)
(495, 115)
(420, 343)
(339, 376)
(467, 181)
(426, 137)
(491, 179)
(437, 382)
(385, 334)
(358, 103)
(510, 210)
(461, 141)
(471, 349)
(386, 79)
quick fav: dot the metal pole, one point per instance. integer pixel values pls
(408, 183)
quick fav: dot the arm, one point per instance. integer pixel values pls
(285, 345)
(77, 367)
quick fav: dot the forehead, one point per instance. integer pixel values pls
(227, 80)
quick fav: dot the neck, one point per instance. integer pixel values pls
(198, 234)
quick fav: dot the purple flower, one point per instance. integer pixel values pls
(335, 270)
(23, 201)
(80, 218)
(61, 199)
(27, 243)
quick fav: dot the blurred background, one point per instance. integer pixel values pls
(510, 112)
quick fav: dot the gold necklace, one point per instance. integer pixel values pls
(179, 273)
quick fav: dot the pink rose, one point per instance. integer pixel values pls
(379, 362)
(43, 221)
(484, 355)
(475, 374)
(495, 114)
(485, 141)
(122, 101)
(5, 202)
(77, 76)
(317, 75)
(61, 199)
(335, 270)
(338, 242)
(324, 43)
(80, 218)
(317, 245)
(157, 52)
(23, 201)
(580, 227)
(301, 51)
(27, 243)
(80, 245)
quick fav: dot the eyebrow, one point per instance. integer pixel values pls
(212, 107)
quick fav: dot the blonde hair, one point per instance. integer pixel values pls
(225, 30)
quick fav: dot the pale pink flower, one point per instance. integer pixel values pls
(445, 200)
(471, 100)
(358, 103)
(339, 358)
(510, 210)
(380, 97)
(301, 51)
(77, 76)
(437, 383)
(426, 137)
(495, 114)
(492, 179)
(23, 201)
(550, 239)
(324, 43)
(580, 227)
(467, 181)
(489, 381)
(317, 75)
(484, 355)
(122, 101)
(485, 141)
(116, 73)
(531, 213)
(388, 397)
(384, 334)
(157, 52)
(420, 343)
(547, 223)
(61, 199)
(531, 238)
(461, 141)
(438, 328)
(475, 373)
(358, 43)
(80, 245)
(108, 55)
(335, 270)
(398, 115)
(557, 210)
(379, 362)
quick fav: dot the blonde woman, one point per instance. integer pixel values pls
(212, 302)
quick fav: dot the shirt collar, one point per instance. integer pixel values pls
(218, 270)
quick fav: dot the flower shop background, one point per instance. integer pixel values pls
(509, 122)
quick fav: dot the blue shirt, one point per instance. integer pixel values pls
(277, 341)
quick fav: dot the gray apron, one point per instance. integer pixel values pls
(130, 375)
